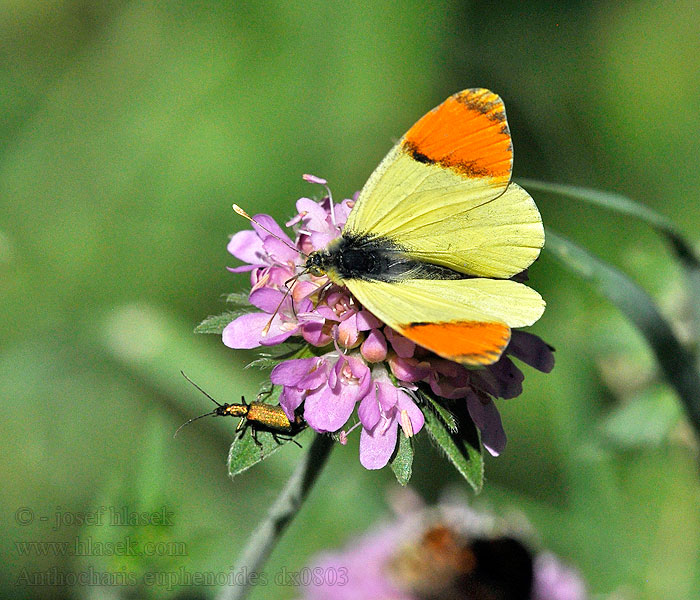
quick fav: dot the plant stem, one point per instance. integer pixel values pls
(269, 531)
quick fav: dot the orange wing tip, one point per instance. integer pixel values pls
(468, 342)
(467, 133)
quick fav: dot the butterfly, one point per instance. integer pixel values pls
(439, 230)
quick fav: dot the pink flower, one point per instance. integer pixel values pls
(261, 249)
(357, 351)
(450, 551)
(273, 326)
(329, 386)
(381, 411)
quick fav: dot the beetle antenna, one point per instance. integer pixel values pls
(203, 392)
(193, 419)
(245, 215)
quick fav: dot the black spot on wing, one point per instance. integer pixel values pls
(413, 152)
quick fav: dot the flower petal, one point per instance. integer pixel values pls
(317, 375)
(315, 333)
(266, 299)
(327, 411)
(321, 239)
(488, 420)
(531, 350)
(312, 214)
(279, 251)
(388, 397)
(290, 372)
(374, 347)
(409, 369)
(247, 246)
(244, 332)
(508, 378)
(401, 345)
(347, 332)
(414, 413)
(271, 226)
(366, 321)
(290, 399)
(313, 179)
(376, 448)
(368, 411)
(279, 330)
(242, 268)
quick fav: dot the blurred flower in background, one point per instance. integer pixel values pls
(449, 552)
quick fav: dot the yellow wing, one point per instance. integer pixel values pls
(464, 320)
(443, 193)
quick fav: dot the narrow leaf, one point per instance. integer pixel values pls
(277, 354)
(621, 204)
(463, 448)
(245, 452)
(447, 417)
(238, 299)
(677, 364)
(402, 463)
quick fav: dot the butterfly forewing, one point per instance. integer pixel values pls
(441, 194)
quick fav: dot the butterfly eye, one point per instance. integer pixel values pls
(316, 265)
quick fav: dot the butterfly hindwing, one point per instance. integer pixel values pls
(465, 320)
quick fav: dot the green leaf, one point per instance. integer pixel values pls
(245, 453)
(238, 299)
(646, 420)
(462, 448)
(447, 417)
(253, 444)
(277, 354)
(677, 364)
(402, 462)
(608, 200)
(621, 204)
(217, 323)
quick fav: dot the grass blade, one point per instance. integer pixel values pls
(622, 204)
(677, 363)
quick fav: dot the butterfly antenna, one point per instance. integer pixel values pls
(266, 329)
(245, 215)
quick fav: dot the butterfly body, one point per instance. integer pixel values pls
(369, 258)
(439, 230)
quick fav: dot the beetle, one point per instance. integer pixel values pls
(259, 416)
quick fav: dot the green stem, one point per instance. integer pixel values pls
(269, 531)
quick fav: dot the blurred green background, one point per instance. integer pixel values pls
(129, 128)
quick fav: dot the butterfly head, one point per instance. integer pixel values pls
(318, 262)
(328, 262)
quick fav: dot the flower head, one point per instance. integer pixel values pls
(353, 360)
(450, 551)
